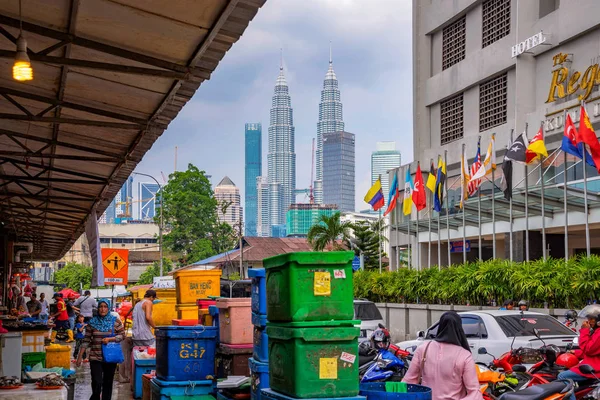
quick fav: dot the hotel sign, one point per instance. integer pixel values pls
(528, 44)
(566, 82)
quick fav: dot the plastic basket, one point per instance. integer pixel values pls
(259, 378)
(166, 390)
(31, 359)
(269, 394)
(259, 290)
(140, 367)
(376, 391)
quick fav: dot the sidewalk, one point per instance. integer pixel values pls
(83, 385)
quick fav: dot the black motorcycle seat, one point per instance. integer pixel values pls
(538, 392)
(362, 360)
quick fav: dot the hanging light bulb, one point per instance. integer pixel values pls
(22, 70)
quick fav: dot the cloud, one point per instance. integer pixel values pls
(372, 59)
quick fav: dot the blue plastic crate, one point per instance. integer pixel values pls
(260, 351)
(193, 390)
(268, 394)
(259, 378)
(259, 320)
(376, 391)
(140, 367)
(259, 290)
(186, 353)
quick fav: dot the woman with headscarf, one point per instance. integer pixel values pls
(102, 329)
(445, 364)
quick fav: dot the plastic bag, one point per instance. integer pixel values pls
(112, 353)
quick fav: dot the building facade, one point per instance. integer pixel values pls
(281, 157)
(385, 158)
(147, 200)
(228, 198)
(263, 227)
(300, 217)
(253, 169)
(339, 170)
(497, 67)
(330, 120)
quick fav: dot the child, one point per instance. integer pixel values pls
(79, 335)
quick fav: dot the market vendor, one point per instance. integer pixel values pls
(34, 306)
(61, 318)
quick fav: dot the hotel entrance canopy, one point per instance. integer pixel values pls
(109, 77)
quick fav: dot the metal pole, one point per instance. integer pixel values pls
(566, 208)
(526, 208)
(242, 275)
(439, 242)
(462, 185)
(379, 235)
(543, 209)
(447, 206)
(493, 210)
(585, 207)
(417, 243)
(479, 216)
(396, 210)
(161, 226)
(429, 242)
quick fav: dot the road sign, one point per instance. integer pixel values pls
(457, 247)
(116, 266)
(356, 263)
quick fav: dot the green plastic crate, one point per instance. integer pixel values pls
(31, 359)
(310, 286)
(314, 362)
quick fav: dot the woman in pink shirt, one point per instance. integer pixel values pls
(445, 364)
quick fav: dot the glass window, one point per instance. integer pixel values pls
(472, 325)
(523, 325)
(366, 311)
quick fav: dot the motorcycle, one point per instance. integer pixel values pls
(594, 394)
(383, 364)
(556, 390)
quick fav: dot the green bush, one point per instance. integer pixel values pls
(552, 282)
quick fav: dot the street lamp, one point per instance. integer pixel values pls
(161, 226)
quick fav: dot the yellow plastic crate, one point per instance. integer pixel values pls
(58, 356)
(187, 311)
(192, 285)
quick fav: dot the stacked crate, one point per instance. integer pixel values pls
(192, 285)
(313, 341)
(235, 331)
(259, 363)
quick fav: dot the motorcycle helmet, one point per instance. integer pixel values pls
(550, 353)
(571, 315)
(567, 360)
(591, 311)
(523, 303)
(380, 339)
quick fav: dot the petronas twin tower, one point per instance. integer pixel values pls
(282, 157)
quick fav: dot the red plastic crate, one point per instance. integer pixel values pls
(184, 322)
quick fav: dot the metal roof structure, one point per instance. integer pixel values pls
(109, 77)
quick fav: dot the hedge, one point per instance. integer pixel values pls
(553, 283)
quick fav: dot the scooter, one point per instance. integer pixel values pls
(556, 390)
(385, 367)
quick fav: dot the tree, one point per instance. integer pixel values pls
(153, 270)
(72, 274)
(366, 241)
(328, 230)
(190, 215)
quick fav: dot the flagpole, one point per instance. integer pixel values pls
(492, 161)
(479, 201)
(397, 226)
(526, 206)
(565, 197)
(409, 221)
(542, 202)
(429, 210)
(447, 207)
(585, 203)
(462, 185)
(418, 257)
(510, 206)
(379, 235)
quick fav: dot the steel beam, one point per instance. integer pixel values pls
(12, 178)
(70, 121)
(54, 169)
(38, 154)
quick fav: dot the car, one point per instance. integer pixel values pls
(498, 330)
(367, 312)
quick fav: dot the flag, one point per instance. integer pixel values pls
(375, 196)
(517, 150)
(490, 156)
(418, 194)
(474, 182)
(407, 205)
(431, 178)
(393, 197)
(464, 178)
(586, 138)
(506, 184)
(438, 194)
(569, 142)
(536, 147)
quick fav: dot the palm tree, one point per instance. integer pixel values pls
(328, 229)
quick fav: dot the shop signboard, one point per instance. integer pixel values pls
(115, 263)
(457, 247)
(163, 282)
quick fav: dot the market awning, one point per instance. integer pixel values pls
(109, 77)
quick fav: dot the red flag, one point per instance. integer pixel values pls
(587, 136)
(418, 195)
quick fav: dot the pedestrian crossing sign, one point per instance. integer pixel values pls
(116, 266)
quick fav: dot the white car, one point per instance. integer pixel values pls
(496, 330)
(367, 312)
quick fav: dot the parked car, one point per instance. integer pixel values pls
(496, 330)
(367, 312)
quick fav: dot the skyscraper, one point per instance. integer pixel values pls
(147, 202)
(281, 157)
(339, 170)
(229, 200)
(386, 157)
(263, 227)
(301, 217)
(253, 170)
(330, 120)
(125, 198)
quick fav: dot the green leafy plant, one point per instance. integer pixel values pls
(72, 274)
(327, 231)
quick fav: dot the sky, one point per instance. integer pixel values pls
(372, 48)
